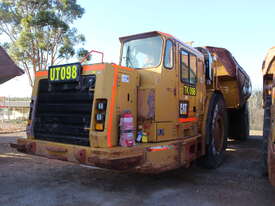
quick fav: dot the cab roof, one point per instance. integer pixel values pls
(143, 35)
(156, 33)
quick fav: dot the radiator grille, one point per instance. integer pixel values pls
(63, 111)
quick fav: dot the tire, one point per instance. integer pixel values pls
(239, 123)
(266, 133)
(243, 123)
(215, 133)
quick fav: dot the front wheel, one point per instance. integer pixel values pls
(215, 133)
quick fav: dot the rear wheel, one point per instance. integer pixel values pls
(244, 123)
(239, 123)
(216, 133)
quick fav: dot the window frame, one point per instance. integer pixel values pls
(181, 70)
(138, 38)
(196, 69)
(189, 68)
(173, 57)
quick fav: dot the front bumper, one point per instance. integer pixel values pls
(143, 158)
(111, 158)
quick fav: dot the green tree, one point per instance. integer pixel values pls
(256, 112)
(40, 32)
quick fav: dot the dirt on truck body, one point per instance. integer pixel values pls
(178, 101)
(269, 115)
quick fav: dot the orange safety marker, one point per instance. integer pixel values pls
(160, 148)
(189, 119)
(121, 67)
(112, 106)
(94, 67)
(41, 73)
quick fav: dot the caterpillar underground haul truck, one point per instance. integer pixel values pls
(268, 70)
(165, 105)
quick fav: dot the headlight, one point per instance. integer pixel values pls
(100, 114)
(100, 117)
(101, 106)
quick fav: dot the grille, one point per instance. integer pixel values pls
(63, 111)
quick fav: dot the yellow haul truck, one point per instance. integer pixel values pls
(179, 96)
(269, 115)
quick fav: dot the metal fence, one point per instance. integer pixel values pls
(13, 109)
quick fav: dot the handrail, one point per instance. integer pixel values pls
(93, 51)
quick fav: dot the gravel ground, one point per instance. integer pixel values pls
(27, 180)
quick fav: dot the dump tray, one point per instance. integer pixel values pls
(233, 71)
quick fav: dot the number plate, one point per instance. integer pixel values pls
(65, 73)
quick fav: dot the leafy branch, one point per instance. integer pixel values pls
(40, 32)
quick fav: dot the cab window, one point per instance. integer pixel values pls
(142, 53)
(184, 66)
(168, 57)
(193, 69)
(188, 67)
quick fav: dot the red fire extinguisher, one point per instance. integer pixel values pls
(127, 129)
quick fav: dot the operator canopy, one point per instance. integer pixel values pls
(8, 69)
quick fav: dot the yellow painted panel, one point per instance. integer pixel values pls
(166, 131)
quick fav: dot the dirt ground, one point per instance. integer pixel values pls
(27, 180)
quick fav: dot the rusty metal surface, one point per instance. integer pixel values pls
(56, 149)
(146, 102)
(8, 69)
(19, 147)
(143, 160)
(80, 155)
(234, 70)
(117, 164)
(230, 63)
(226, 58)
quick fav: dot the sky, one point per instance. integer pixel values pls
(246, 28)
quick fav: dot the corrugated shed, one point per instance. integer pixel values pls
(8, 69)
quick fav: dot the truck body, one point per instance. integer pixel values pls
(268, 70)
(183, 98)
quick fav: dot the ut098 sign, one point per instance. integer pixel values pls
(66, 72)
